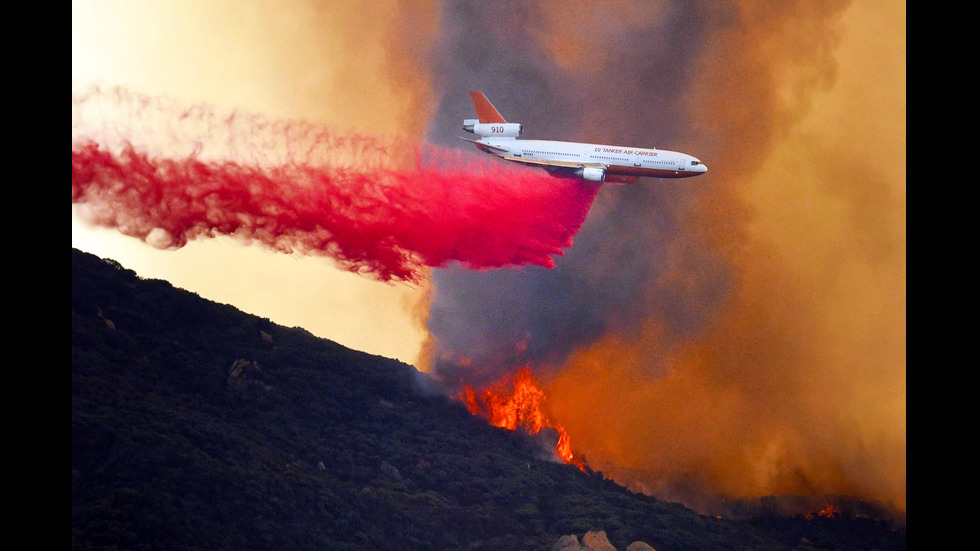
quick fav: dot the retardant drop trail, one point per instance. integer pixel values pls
(172, 174)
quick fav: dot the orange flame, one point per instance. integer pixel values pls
(826, 512)
(519, 408)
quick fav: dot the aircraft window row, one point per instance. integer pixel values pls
(608, 158)
(550, 153)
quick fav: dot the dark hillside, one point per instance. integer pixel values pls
(196, 426)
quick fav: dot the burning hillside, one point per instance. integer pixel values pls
(517, 402)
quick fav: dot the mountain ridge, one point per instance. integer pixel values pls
(198, 426)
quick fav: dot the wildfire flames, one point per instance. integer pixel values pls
(826, 512)
(516, 402)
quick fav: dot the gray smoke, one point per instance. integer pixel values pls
(617, 274)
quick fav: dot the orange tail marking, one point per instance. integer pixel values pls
(484, 109)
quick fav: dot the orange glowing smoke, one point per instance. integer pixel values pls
(517, 402)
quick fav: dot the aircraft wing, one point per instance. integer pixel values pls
(485, 146)
(551, 165)
(558, 164)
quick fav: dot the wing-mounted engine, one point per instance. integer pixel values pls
(493, 129)
(591, 174)
(587, 173)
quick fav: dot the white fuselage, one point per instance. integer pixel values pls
(617, 161)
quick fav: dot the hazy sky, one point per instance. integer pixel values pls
(290, 60)
(742, 333)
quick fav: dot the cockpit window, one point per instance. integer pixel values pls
(695, 163)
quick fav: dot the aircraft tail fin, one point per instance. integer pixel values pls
(485, 110)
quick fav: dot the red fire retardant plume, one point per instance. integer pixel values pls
(383, 222)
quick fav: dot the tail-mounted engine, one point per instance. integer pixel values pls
(493, 129)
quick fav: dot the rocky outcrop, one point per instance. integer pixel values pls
(246, 374)
(568, 543)
(595, 541)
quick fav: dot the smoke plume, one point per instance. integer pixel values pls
(168, 173)
(741, 334)
(738, 335)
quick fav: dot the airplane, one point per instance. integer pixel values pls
(590, 162)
